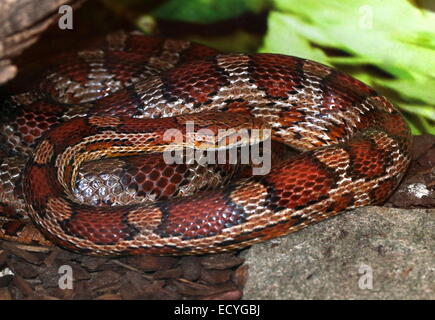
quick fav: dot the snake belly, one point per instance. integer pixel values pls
(354, 144)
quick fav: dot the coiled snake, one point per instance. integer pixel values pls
(78, 138)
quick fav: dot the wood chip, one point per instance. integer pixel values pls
(3, 256)
(240, 276)
(23, 285)
(92, 263)
(151, 263)
(103, 280)
(25, 270)
(52, 256)
(215, 276)
(168, 274)
(221, 261)
(191, 267)
(5, 294)
(190, 288)
(13, 248)
(229, 295)
(33, 248)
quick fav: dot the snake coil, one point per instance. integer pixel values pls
(117, 100)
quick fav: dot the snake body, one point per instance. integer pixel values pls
(117, 100)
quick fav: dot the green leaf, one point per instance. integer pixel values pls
(391, 35)
(417, 88)
(238, 41)
(283, 38)
(420, 110)
(207, 11)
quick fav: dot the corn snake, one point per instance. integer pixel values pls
(120, 96)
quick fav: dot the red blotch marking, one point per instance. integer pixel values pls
(394, 124)
(196, 52)
(277, 74)
(40, 184)
(36, 119)
(343, 92)
(119, 103)
(203, 216)
(150, 174)
(334, 99)
(366, 159)
(70, 133)
(194, 81)
(298, 181)
(370, 118)
(99, 225)
(126, 65)
(148, 46)
(353, 85)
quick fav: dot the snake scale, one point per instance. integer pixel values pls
(77, 157)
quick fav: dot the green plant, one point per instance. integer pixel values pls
(388, 44)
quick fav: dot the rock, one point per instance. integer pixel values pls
(418, 186)
(333, 259)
